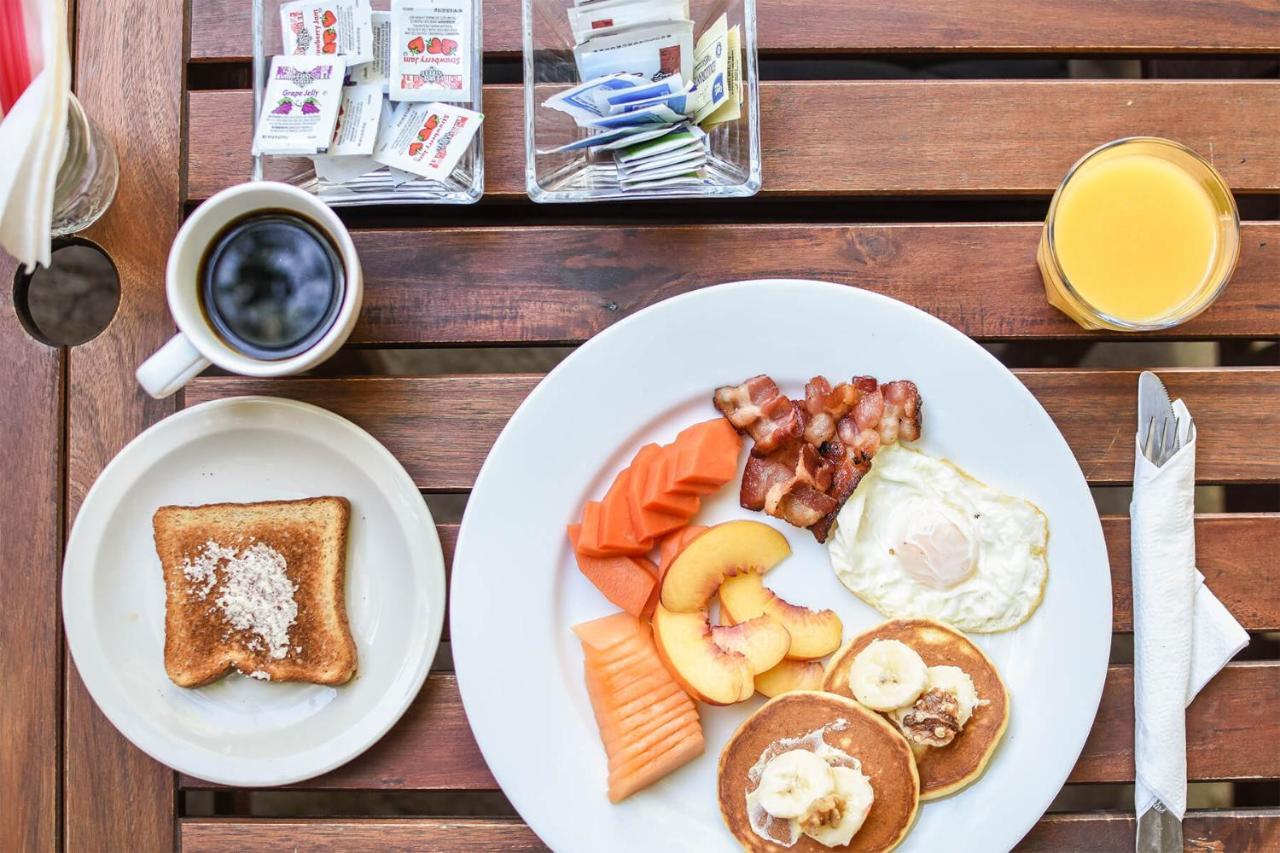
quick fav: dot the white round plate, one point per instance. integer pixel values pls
(239, 731)
(516, 589)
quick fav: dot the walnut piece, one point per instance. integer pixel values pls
(934, 720)
(825, 812)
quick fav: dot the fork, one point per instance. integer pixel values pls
(1160, 446)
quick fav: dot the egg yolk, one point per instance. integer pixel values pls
(938, 555)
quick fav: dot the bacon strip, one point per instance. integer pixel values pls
(790, 484)
(759, 409)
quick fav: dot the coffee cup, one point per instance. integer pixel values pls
(204, 338)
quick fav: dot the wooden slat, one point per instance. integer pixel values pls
(441, 428)
(31, 424)
(567, 283)
(224, 835)
(1225, 725)
(878, 137)
(1238, 829)
(220, 28)
(432, 746)
(1236, 555)
(114, 796)
(1234, 830)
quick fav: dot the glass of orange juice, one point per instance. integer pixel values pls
(1142, 234)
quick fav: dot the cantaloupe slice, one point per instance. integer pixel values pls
(617, 534)
(633, 727)
(706, 457)
(648, 725)
(601, 634)
(673, 543)
(623, 580)
(644, 743)
(622, 786)
(648, 523)
(655, 747)
(657, 497)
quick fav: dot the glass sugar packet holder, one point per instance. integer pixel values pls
(381, 185)
(732, 168)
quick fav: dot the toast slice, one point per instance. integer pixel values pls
(259, 587)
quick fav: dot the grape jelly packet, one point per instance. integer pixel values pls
(300, 105)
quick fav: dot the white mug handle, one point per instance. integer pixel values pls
(171, 367)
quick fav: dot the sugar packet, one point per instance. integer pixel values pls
(688, 158)
(427, 139)
(641, 136)
(711, 69)
(378, 69)
(431, 50)
(300, 105)
(653, 51)
(589, 100)
(685, 137)
(692, 179)
(655, 90)
(608, 16)
(608, 140)
(653, 114)
(327, 28)
(731, 109)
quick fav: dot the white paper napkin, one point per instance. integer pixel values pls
(1183, 635)
(32, 137)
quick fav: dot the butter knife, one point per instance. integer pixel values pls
(1159, 830)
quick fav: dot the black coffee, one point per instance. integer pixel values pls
(271, 284)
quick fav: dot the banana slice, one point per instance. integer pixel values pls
(954, 680)
(792, 782)
(834, 819)
(887, 674)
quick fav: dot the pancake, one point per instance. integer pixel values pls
(884, 754)
(943, 770)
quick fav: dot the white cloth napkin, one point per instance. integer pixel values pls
(32, 138)
(1183, 635)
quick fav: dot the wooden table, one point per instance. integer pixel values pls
(953, 157)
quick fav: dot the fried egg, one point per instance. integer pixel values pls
(922, 538)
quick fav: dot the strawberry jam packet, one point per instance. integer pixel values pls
(300, 105)
(328, 28)
(431, 50)
(427, 139)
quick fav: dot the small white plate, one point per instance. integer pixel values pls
(238, 731)
(516, 589)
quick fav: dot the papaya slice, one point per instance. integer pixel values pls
(623, 580)
(617, 534)
(648, 523)
(706, 456)
(658, 497)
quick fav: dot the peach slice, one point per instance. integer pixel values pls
(814, 633)
(725, 550)
(762, 640)
(790, 675)
(709, 673)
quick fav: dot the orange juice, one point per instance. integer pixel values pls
(1141, 235)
